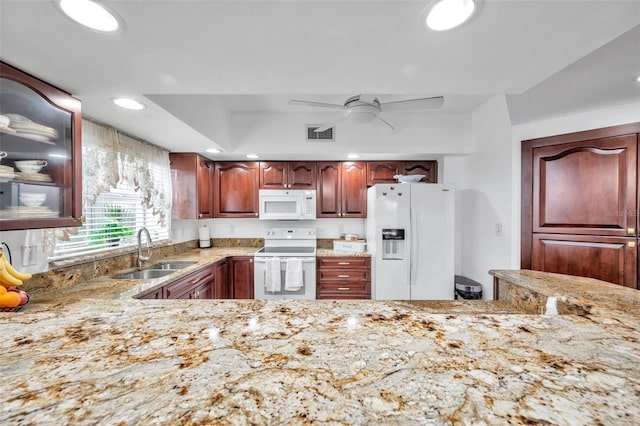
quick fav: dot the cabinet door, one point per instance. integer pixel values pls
(220, 286)
(205, 187)
(41, 175)
(241, 277)
(191, 286)
(354, 189)
(236, 189)
(156, 294)
(586, 187)
(301, 175)
(383, 171)
(328, 193)
(273, 175)
(611, 259)
(427, 168)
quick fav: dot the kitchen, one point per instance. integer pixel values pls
(476, 143)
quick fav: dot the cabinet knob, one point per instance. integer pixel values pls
(256, 214)
(631, 244)
(631, 231)
(200, 215)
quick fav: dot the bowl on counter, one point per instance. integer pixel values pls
(32, 199)
(408, 178)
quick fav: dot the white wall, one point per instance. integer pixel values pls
(282, 135)
(486, 197)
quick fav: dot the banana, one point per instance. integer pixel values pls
(6, 278)
(22, 276)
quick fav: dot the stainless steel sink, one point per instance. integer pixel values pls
(145, 274)
(172, 265)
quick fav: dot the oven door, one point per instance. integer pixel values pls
(307, 291)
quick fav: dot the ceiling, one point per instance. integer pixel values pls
(196, 64)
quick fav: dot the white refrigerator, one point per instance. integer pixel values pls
(410, 235)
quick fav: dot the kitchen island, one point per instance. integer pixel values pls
(104, 357)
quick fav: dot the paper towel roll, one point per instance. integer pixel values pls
(204, 236)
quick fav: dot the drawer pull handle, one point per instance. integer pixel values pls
(344, 288)
(344, 263)
(195, 281)
(344, 276)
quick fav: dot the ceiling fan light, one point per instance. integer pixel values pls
(447, 14)
(362, 113)
(90, 14)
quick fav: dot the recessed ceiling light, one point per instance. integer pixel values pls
(638, 79)
(128, 103)
(90, 14)
(213, 150)
(353, 156)
(447, 14)
(253, 156)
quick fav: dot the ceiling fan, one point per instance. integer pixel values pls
(362, 108)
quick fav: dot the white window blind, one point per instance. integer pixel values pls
(126, 186)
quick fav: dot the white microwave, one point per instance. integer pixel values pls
(287, 204)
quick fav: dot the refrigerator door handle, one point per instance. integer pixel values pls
(415, 255)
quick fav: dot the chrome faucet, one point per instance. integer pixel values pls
(149, 244)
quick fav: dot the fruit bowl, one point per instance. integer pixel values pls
(17, 308)
(408, 178)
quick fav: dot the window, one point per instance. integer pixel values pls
(126, 185)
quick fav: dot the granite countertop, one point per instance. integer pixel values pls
(102, 357)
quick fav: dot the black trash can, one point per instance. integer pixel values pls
(467, 289)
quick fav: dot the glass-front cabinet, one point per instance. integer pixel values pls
(40, 153)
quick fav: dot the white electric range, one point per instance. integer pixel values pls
(280, 245)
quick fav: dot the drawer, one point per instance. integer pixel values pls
(343, 262)
(344, 275)
(339, 296)
(343, 286)
(178, 288)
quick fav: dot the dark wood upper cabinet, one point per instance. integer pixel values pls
(354, 189)
(302, 175)
(427, 168)
(236, 189)
(328, 193)
(341, 189)
(384, 171)
(56, 141)
(192, 181)
(586, 187)
(287, 175)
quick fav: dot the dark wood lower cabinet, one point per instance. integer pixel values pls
(220, 287)
(611, 259)
(156, 294)
(197, 285)
(343, 278)
(240, 270)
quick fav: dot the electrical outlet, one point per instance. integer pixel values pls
(28, 255)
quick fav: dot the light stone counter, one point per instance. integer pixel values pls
(97, 356)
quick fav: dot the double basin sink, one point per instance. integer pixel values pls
(155, 271)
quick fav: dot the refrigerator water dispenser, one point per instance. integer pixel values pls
(393, 244)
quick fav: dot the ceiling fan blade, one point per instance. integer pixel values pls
(387, 123)
(411, 104)
(369, 99)
(315, 104)
(329, 125)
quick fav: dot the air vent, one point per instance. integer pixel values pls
(326, 136)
